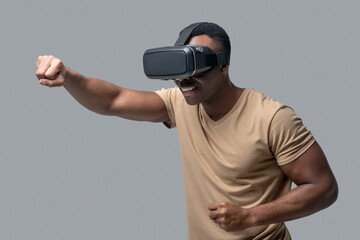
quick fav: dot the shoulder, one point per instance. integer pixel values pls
(260, 104)
(176, 105)
(172, 97)
(169, 92)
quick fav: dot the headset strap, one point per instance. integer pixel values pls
(215, 59)
(186, 33)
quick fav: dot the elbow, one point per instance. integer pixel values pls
(331, 194)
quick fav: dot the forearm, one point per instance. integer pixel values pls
(100, 96)
(316, 189)
(94, 94)
(302, 201)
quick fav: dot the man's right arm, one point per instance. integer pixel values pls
(101, 96)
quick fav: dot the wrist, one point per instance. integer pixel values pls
(71, 77)
(252, 219)
(66, 73)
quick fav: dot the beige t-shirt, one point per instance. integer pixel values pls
(235, 159)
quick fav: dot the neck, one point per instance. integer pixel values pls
(223, 101)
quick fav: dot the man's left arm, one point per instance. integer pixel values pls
(316, 189)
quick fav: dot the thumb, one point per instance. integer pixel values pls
(57, 82)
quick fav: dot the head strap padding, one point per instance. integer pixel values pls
(185, 34)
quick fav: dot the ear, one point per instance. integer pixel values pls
(225, 68)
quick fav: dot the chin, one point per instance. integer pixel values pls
(191, 102)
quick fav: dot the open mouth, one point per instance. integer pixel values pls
(187, 86)
(187, 91)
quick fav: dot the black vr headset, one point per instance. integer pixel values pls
(180, 60)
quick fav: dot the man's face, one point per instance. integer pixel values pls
(202, 89)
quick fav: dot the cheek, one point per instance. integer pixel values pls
(213, 82)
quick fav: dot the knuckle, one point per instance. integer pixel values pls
(57, 62)
(223, 211)
(48, 75)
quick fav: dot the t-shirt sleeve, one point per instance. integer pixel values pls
(168, 96)
(288, 137)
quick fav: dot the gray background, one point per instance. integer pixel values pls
(67, 173)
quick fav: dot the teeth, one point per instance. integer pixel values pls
(185, 89)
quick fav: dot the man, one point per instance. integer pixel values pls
(240, 149)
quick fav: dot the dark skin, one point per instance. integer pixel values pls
(316, 189)
(316, 185)
(214, 90)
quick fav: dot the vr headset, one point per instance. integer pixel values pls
(180, 60)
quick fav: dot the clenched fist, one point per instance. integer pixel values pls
(230, 217)
(50, 71)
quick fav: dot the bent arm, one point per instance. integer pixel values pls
(101, 96)
(316, 189)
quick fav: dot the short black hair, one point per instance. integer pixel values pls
(215, 32)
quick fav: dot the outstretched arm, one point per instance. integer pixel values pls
(101, 96)
(316, 189)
